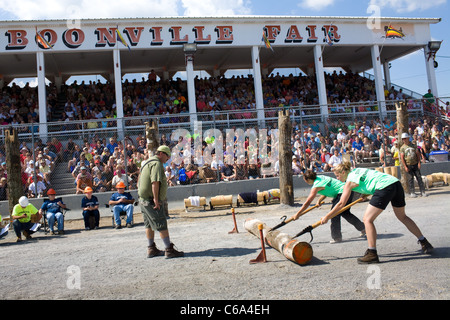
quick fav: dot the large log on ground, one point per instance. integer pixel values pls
(296, 251)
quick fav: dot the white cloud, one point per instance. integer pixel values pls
(83, 9)
(201, 8)
(316, 4)
(54, 9)
(407, 5)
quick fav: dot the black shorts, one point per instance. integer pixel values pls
(393, 193)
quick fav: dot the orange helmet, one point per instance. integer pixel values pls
(51, 191)
(88, 189)
(120, 185)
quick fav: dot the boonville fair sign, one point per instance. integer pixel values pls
(91, 38)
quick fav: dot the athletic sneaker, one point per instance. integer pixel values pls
(362, 233)
(413, 195)
(423, 194)
(370, 256)
(172, 253)
(153, 251)
(426, 246)
(336, 240)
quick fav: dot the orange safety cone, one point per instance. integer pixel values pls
(235, 230)
(261, 258)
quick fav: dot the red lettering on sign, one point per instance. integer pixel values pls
(156, 33)
(293, 35)
(224, 34)
(133, 34)
(272, 32)
(16, 39)
(176, 38)
(312, 33)
(73, 38)
(199, 38)
(106, 36)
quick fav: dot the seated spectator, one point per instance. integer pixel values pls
(227, 173)
(122, 201)
(36, 190)
(21, 214)
(53, 206)
(99, 182)
(3, 189)
(253, 171)
(207, 174)
(325, 158)
(335, 159)
(182, 176)
(357, 148)
(240, 172)
(84, 179)
(121, 177)
(171, 178)
(90, 204)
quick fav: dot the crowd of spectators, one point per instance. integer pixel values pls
(100, 162)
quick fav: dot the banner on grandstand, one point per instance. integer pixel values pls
(141, 34)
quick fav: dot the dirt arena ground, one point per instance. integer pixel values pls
(109, 264)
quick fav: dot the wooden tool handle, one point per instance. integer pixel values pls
(308, 210)
(318, 223)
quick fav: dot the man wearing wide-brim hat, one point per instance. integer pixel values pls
(410, 158)
(152, 191)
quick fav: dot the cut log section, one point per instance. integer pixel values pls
(296, 251)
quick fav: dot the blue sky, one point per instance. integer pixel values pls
(408, 71)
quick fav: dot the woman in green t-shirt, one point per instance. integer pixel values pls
(384, 188)
(329, 187)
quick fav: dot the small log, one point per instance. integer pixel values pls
(294, 250)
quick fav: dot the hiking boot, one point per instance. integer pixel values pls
(118, 226)
(129, 225)
(426, 246)
(60, 232)
(27, 235)
(153, 251)
(172, 253)
(370, 256)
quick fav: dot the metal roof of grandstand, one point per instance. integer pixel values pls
(157, 43)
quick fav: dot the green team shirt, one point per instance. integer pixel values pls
(369, 180)
(152, 170)
(19, 211)
(332, 186)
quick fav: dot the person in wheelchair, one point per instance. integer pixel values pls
(90, 204)
(53, 210)
(122, 202)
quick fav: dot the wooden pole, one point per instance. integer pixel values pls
(285, 158)
(402, 127)
(14, 179)
(151, 134)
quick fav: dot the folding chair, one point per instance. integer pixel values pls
(44, 221)
(122, 214)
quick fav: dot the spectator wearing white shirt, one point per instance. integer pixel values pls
(335, 159)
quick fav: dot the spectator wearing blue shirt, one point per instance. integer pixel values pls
(112, 145)
(358, 148)
(122, 201)
(90, 204)
(53, 211)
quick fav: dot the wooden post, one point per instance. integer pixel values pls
(151, 133)
(285, 158)
(14, 179)
(402, 127)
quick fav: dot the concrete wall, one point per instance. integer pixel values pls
(176, 195)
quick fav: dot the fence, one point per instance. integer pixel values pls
(66, 140)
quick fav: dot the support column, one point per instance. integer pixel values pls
(379, 89)
(118, 90)
(320, 78)
(257, 81)
(387, 75)
(431, 75)
(42, 97)
(190, 79)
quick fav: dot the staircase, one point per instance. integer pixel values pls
(59, 108)
(61, 180)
